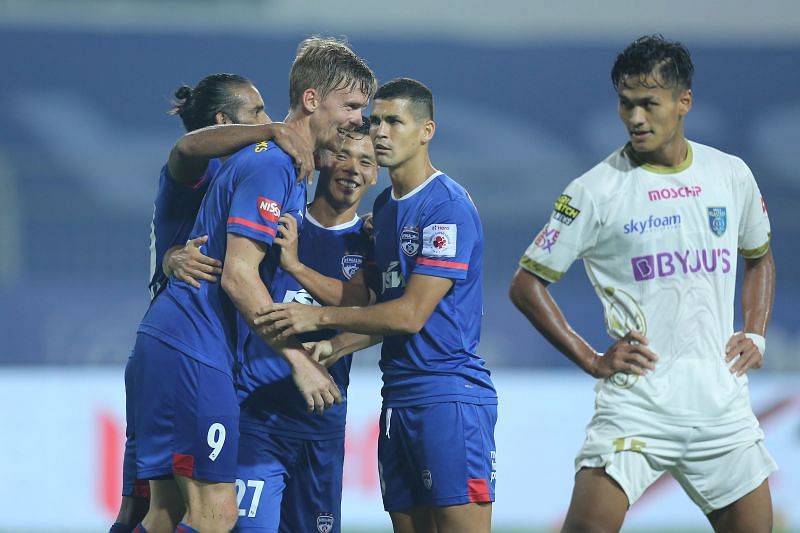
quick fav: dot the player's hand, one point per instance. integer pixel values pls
(315, 385)
(281, 321)
(287, 240)
(629, 354)
(321, 352)
(368, 226)
(297, 147)
(743, 353)
(189, 264)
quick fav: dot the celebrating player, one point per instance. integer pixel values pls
(187, 413)
(658, 224)
(436, 450)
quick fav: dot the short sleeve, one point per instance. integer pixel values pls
(263, 184)
(754, 229)
(571, 230)
(450, 233)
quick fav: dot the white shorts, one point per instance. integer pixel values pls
(715, 465)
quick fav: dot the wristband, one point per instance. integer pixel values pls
(759, 341)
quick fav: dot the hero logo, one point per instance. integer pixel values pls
(652, 223)
(666, 264)
(392, 278)
(668, 193)
(270, 209)
(300, 296)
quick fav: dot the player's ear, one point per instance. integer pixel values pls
(684, 102)
(222, 118)
(428, 130)
(311, 99)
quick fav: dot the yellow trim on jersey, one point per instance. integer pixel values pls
(755, 253)
(659, 169)
(539, 269)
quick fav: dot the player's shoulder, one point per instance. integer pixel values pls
(444, 189)
(705, 156)
(263, 155)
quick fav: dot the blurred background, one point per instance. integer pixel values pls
(524, 104)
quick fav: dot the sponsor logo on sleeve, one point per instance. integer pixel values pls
(270, 209)
(439, 240)
(717, 220)
(350, 264)
(668, 193)
(409, 240)
(546, 238)
(563, 211)
(667, 264)
(763, 205)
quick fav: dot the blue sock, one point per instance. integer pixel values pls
(119, 527)
(139, 528)
(183, 528)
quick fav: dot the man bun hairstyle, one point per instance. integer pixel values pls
(669, 61)
(214, 94)
(416, 92)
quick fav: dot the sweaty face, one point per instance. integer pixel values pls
(338, 113)
(395, 131)
(350, 172)
(653, 116)
(251, 109)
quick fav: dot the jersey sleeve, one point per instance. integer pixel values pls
(571, 230)
(256, 206)
(754, 229)
(450, 233)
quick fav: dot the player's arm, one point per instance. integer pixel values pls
(242, 283)
(530, 295)
(405, 315)
(329, 351)
(326, 290)
(758, 295)
(189, 157)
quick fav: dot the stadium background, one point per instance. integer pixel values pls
(524, 104)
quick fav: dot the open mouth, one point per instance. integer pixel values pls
(347, 184)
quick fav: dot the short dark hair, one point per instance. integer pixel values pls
(652, 54)
(412, 90)
(198, 106)
(327, 64)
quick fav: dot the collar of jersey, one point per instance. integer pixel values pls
(319, 224)
(418, 187)
(660, 169)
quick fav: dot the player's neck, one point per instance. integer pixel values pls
(672, 155)
(410, 174)
(301, 123)
(329, 215)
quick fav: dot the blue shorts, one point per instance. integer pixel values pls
(437, 455)
(287, 484)
(131, 486)
(186, 415)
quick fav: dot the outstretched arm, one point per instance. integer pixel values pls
(758, 294)
(629, 354)
(189, 157)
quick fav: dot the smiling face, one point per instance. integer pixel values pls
(347, 174)
(653, 115)
(335, 115)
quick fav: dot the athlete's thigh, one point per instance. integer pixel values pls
(312, 500)
(598, 503)
(752, 513)
(414, 520)
(447, 454)
(265, 461)
(464, 518)
(187, 416)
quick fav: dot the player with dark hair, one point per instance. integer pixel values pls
(218, 99)
(189, 343)
(436, 449)
(290, 460)
(658, 224)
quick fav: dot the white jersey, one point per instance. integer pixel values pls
(659, 246)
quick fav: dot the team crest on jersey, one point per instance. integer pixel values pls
(350, 264)
(409, 240)
(717, 220)
(427, 480)
(325, 522)
(270, 210)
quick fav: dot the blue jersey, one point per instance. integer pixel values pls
(174, 211)
(435, 231)
(267, 389)
(249, 193)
